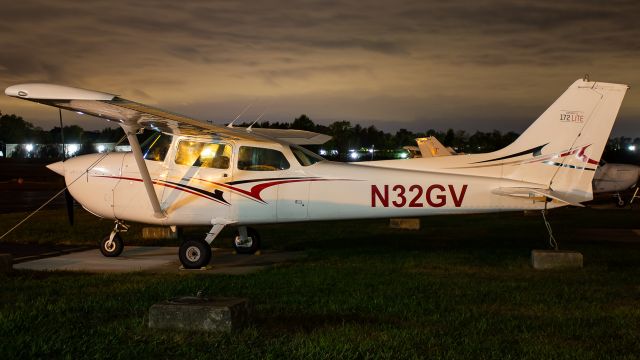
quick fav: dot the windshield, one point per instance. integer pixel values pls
(304, 156)
(156, 146)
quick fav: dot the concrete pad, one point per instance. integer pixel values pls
(200, 313)
(556, 259)
(6, 263)
(157, 259)
(406, 224)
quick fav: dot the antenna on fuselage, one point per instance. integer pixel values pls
(237, 117)
(258, 118)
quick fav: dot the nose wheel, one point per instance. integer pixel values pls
(112, 245)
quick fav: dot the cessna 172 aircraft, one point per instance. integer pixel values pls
(194, 173)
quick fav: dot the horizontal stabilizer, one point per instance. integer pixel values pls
(535, 194)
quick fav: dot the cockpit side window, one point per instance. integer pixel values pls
(156, 146)
(200, 154)
(261, 159)
(304, 156)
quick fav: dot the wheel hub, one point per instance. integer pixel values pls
(193, 253)
(110, 245)
(244, 243)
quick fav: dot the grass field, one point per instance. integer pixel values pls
(460, 288)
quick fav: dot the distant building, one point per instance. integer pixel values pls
(55, 150)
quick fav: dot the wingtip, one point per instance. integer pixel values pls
(39, 91)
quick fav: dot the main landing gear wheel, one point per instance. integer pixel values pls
(111, 247)
(249, 245)
(194, 254)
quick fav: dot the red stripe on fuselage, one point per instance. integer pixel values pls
(165, 185)
(254, 192)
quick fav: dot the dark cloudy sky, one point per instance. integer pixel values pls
(472, 65)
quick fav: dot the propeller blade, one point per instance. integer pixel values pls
(69, 200)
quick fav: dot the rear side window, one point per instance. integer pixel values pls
(304, 156)
(261, 159)
(195, 153)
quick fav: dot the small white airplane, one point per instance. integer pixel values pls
(615, 178)
(430, 147)
(194, 173)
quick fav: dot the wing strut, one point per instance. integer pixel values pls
(144, 171)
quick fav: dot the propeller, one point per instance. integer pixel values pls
(67, 195)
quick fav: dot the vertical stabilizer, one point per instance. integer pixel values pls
(564, 145)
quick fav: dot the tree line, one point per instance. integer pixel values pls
(345, 136)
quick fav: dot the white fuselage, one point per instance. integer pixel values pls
(193, 195)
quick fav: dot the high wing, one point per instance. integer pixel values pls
(299, 137)
(132, 116)
(126, 112)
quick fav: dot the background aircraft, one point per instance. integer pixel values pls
(429, 147)
(615, 178)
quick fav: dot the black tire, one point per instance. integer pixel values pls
(112, 248)
(194, 254)
(251, 245)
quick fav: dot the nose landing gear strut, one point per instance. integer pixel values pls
(112, 245)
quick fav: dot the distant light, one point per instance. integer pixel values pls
(101, 148)
(72, 149)
(334, 152)
(323, 152)
(631, 148)
(354, 155)
(351, 150)
(371, 151)
(403, 155)
(29, 147)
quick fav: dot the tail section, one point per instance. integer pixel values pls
(566, 141)
(431, 147)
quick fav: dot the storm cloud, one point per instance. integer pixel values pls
(416, 64)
